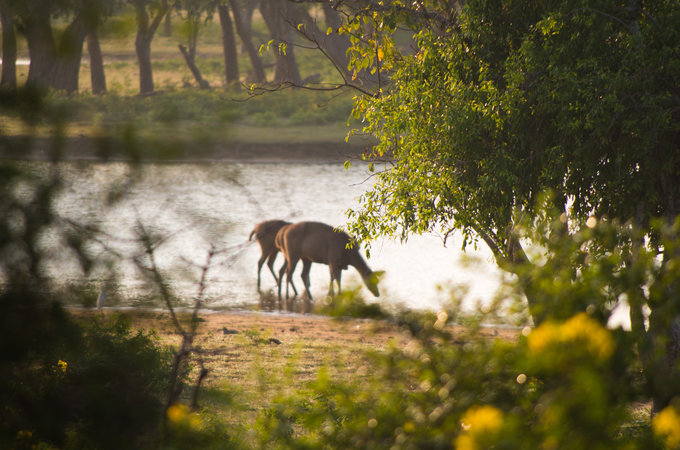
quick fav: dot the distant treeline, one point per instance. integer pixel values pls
(56, 33)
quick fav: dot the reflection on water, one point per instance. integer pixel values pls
(195, 206)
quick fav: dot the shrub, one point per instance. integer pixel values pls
(350, 304)
(91, 385)
(477, 393)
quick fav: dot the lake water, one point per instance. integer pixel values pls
(198, 205)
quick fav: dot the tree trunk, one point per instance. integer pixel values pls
(146, 28)
(97, 76)
(229, 45)
(247, 11)
(277, 15)
(245, 33)
(193, 40)
(510, 256)
(192, 66)
(659, 357)
(143, 50)
(9, 51)
(332, 17)
(167, 25)
(663, 337)
(41, 48)
(69, 55)
(333, 45)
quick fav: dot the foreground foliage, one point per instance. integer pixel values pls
(569, 383)
(93, 385)
(501, 103)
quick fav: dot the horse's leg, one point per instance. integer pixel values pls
(260, 262)
(270, 264)
(306, 267)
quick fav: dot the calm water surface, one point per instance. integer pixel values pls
(198, 205)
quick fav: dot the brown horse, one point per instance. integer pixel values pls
(265, 234)
(320, 243)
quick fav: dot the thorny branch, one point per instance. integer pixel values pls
(186, 350)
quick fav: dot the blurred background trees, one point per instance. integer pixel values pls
(55, 56)
(56, 31)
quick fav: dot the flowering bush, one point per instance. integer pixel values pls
(555, 345)
(666, 425)
(480, 424)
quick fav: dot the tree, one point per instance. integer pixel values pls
(34, 23)
(194, 13)
(502, 103)
(55, 56)
(242, 20)
(97, 75)
(93, 20)
(167, 25)
(9, 49)
(278, 16)
(69, 50)
(333, 45)
(228, 44)
(340, 44)
(150, 14)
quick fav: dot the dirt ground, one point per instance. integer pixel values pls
(252, 358)
(290, 328)
(259, 355)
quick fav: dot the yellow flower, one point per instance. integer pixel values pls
(666, 424)
(478, 422)
(543, 337)
(482, 419)
(579, 330)
(177, 413)
(59, 368)
(466, 442)
(599, 341)
(25, 434)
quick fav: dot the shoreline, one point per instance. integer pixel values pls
(88, 149)
(213, 317)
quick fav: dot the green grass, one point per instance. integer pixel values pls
(285, 116)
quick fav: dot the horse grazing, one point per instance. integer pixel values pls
(265, 234)
(320, 243)
(278, 241)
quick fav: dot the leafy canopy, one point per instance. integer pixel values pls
(503, 101)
